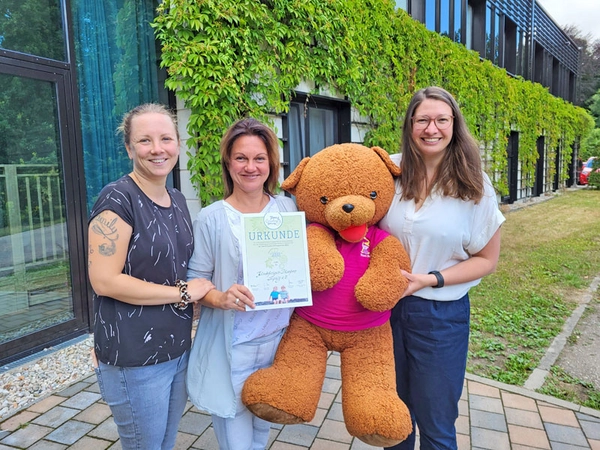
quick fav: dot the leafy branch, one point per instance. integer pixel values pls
(229, 59)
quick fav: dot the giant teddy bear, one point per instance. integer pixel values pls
(356, 279)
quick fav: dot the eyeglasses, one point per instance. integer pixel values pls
(441, 122)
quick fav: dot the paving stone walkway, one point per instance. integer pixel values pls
(493, 416)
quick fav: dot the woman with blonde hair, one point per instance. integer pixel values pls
(140, 243)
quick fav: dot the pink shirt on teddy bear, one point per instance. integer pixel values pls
(337, 308)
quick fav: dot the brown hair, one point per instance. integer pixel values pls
(250, 127)
(459, 174)
(125, 127)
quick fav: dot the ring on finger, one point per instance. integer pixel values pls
(237, 301)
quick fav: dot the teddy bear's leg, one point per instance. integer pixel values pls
(373, 412)
(288, 392)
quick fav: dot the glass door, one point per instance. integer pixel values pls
(38, 188)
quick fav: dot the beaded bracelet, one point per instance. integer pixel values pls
(183, 293)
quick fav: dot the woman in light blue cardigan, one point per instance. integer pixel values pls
(231, 343)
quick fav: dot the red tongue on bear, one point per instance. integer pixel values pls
(354, 234)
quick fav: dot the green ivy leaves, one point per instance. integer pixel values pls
(229, 59)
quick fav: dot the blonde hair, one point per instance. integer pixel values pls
(125, 127)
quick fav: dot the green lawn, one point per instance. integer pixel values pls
(550, 253)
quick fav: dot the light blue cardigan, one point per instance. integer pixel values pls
(215, 258)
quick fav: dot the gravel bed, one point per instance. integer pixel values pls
(26, 384)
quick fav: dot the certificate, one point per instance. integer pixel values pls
(275, 259)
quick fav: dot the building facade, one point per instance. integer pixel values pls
(517, 35)
(520, 37)
(69, 69)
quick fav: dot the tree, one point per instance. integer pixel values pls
(594, 177)
(589, 68)
(32, 26)
(590, 145)
(35, 27)
(594, 107)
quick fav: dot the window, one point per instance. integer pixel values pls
(313, 123)
(40, 34)
(510, 46)
(35, 281)
(458, 27)
(430, 15)
(489, 34)
(521, 53)
(497, 40)
(477, 26)
(555, 82)
(445, 18)
(470, 29)
(42, 293)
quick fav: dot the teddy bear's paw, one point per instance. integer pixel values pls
(325, 274)
(320, 284)
(271, 414)
(382, 420)
(377, 440)
(374, 295)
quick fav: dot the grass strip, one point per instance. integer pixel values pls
(549, 255)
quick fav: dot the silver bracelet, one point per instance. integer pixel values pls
(183, 293)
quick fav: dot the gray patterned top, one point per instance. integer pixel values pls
(160, 247)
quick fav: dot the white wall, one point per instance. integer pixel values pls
(193, 201)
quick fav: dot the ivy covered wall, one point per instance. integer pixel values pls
(229, 59)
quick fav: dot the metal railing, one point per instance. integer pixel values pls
(32, 216)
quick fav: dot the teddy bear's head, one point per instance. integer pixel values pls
(346, 187)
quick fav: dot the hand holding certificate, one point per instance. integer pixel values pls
(275, 259)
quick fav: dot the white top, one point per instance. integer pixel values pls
(216, 257)
(442, 233)
(250, 325)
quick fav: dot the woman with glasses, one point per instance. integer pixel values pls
(446, 215)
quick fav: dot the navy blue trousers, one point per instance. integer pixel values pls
(431, 341)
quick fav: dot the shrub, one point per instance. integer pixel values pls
(594, 177)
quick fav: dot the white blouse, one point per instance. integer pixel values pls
(442, 233)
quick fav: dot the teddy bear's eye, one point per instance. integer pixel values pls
(324, 200)
(373, 195)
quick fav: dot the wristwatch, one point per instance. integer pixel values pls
(439, 278)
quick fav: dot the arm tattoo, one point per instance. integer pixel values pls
(108, 231)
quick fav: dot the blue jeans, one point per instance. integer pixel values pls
(245, 431)
(146, 402)
(431, 341)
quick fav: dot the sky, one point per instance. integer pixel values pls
(585, 14)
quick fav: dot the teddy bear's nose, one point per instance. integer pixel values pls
(348, 207)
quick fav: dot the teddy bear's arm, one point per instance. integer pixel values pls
(325, 261)
(382, 285)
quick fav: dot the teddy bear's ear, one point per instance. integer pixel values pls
(385, 157)
(290, 183)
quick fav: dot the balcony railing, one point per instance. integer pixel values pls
(32, 216)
